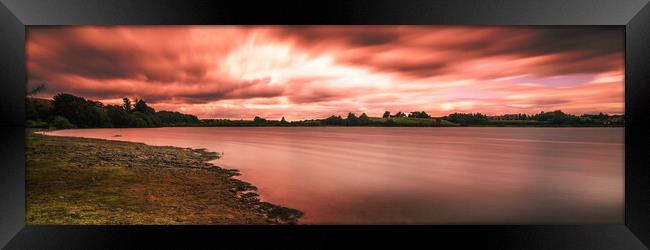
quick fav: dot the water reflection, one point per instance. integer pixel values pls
(347, 175)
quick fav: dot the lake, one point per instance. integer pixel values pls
(435, 175)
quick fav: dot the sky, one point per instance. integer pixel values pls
(309, 72)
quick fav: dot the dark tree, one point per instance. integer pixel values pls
(37, 89)
(259, 120)
(102, 118)
(80, 112)
(127, 104)
(176, 118)
(60, 122)
(142, 107)
(333, 120)
(30, 110)
(149, 120)
(119, 116)
(467, 119)
(138, 120)
(83, 113)
(386, 114)
(364, 119)
(557, 117)
(417, 114)
(37, 110)
(352, 120)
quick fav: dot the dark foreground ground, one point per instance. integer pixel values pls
(92, 181)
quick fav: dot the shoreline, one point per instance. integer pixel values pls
(75, 180)
(42, 131)
(393, 126)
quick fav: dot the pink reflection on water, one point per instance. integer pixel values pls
(345, 175)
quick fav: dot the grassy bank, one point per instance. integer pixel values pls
(92, 181)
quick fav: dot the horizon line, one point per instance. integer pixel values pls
(338, 114)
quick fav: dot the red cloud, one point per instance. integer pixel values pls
(314, 71)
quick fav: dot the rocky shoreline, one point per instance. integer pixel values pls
(93, 181)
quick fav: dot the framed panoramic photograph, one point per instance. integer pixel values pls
(482, 124)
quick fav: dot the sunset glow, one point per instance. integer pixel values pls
(307, 72)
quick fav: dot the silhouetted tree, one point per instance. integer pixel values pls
(35, 90)
(176, 118)
(142, 107)
(417, 114)
(467, 119)
(333, 120)
(127, 104)
(138, 120)
(149, 120)
(352, 120)
(557, 117)
(386, 114)
(259, 120)
(119, 116)
(364, 119)
(37, 110)
(80, 112)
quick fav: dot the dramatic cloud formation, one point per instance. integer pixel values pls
(304, 72)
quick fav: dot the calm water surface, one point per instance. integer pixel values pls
(367, 175)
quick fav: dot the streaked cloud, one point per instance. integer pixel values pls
(304, 72)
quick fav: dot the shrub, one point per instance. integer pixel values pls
(60, 122)
(36, 124)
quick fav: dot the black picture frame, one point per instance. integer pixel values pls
(634, 15)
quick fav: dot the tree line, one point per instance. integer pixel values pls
(414, 114)
(69, 111)
(556, 118)
(350, 120)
